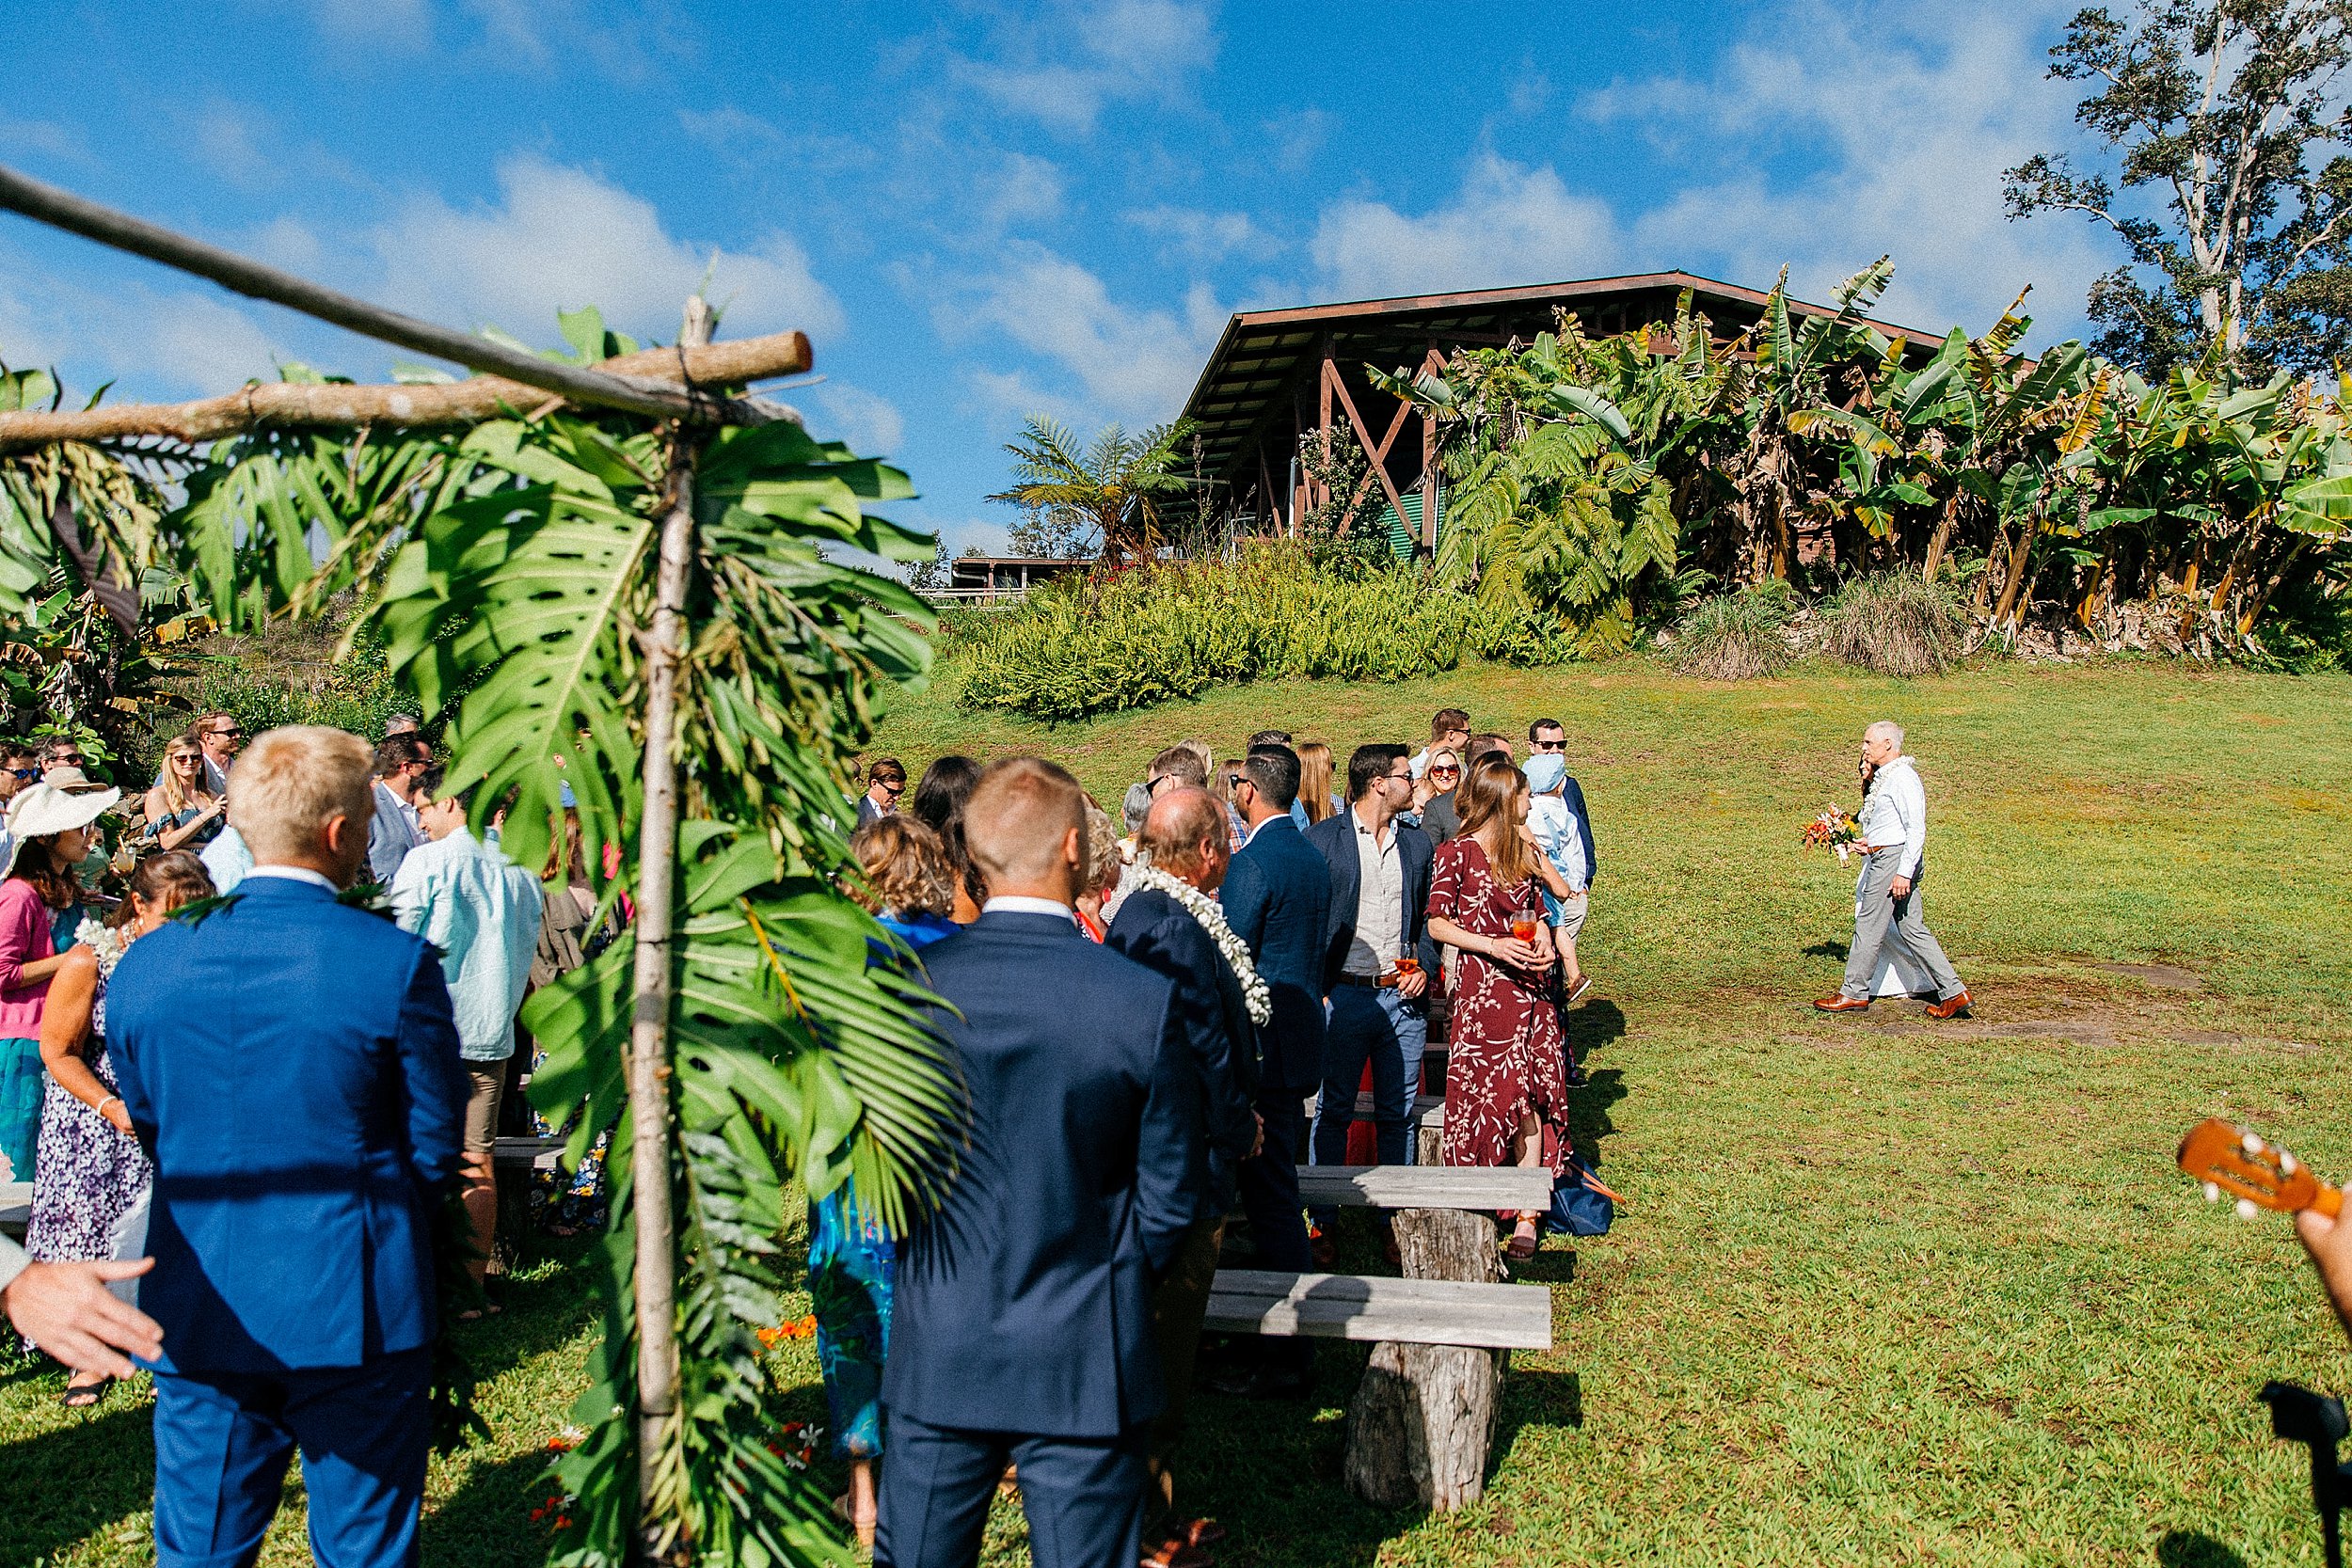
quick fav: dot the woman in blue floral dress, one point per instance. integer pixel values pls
(851, 1260)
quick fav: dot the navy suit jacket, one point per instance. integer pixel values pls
(292, 1069)
(1334, 839)
(1573, 793)
(1278, 900)
(1024, 1303)
(1161, 934)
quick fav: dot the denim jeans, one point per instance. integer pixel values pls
(1383, 1027)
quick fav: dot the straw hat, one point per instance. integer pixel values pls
(44, 809)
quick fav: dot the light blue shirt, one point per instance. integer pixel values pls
(228, 859)
(481, 911)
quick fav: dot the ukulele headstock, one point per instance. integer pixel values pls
(2239, 1162)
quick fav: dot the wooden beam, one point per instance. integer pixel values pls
(1363, 437)
(1350, 1306)
(291, 406)
(62, 209)
(1432, 363)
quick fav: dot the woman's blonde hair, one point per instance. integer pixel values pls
(1102, 850)
(1314, 780)
(906, 867)
(176, 796)
(1492, 793)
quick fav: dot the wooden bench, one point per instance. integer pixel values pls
(16, 1207)
(1422, 1423)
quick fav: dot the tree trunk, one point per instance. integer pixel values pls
(1941, 538)
(2262, 600)
(650, 1164)
(1422, 1425)
(2009, 610)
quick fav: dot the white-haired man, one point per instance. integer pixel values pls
(1886, 899)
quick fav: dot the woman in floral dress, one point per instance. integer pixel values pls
(91, 1170)
(1506, 1085)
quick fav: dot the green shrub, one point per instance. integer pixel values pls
(1734, 636)
(288, 674)
(1089, 646)
(1893, 623)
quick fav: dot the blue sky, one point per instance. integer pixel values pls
(981, 211)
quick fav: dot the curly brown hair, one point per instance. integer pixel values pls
(907, 868)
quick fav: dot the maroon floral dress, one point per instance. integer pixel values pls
(1504, 1052)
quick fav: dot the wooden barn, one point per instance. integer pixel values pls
(1279, 375)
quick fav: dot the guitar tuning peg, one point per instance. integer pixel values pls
(2246, 1210)
(2213, 1192)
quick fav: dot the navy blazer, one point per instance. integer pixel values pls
(291, 1066)
(1278, 900)
(1161, 934)
(1573, 793)
(1334, 839)
(1024, 1303)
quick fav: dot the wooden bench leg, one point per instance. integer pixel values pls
(1423, 1421)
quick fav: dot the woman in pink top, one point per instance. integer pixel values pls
(49, 833)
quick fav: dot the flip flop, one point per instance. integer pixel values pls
(1583, 984)
(1200, 1532)
(82, 1396)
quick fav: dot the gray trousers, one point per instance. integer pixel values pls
(1880, 918)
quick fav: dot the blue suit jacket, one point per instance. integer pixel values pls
(292, 1069)
(1573, 793)
(1161, 934)
(1023, 1304)
(1278, 900)
(1334, 839)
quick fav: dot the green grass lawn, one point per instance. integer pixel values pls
(1882, 1291)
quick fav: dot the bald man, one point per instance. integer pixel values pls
(1022, 1321)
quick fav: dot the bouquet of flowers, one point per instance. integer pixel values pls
(1835, 829)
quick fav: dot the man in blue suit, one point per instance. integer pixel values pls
(1278, 900)
(1020, 1329)
(291, 1066)
(1379, 870)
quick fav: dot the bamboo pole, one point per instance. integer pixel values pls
(655, 1277)
(292, 406)
(639, 395)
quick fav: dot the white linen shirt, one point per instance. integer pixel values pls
(483, 911)
(1896, 812)
(1379, 902)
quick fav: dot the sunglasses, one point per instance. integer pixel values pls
(893, 787)
(67, 759)
(25, 775)
(1549, 745)
(1445, 770)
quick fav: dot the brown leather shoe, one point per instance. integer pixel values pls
(1841, 1004)
(1951, 1008)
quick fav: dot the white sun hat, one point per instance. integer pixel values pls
(44, 809)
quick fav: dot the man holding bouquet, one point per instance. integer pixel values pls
(1886, 901)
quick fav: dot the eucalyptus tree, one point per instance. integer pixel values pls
(2227, 117)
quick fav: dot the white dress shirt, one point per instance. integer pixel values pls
(1019, 904)
(1896, 812)
(1379, 902)
(296, 873)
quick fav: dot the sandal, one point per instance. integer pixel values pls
(1525, 1239)
(82, 1396)
(1174, 1553)
(475, 1314)
(1200, 1532)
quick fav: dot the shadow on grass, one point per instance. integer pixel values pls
(2190, 1548)
(69, 1484)
(1588, 1112)
(543, 1309)
(1841, 951)
(486, 1522)
(1535, 1397)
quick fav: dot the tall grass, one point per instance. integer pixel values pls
(1894, 624)
(1736, 635)
(1179, 629)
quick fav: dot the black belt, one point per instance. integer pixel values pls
(1372, 982)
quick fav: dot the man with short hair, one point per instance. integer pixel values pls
(401, 723)
(1886, 898)
(482, 912)
(885, 782)
(1178, 767)
(289, 1066)
(1379, 871)
(1298, 807)
(1171, 933)
(1449, 728)
(1277, 900)
(222, 737)
(1021, 1315)
(394, 830)
(1486, 745)
(62, 753)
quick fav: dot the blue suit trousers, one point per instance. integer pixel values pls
(1083, 1496)
(223, 1439)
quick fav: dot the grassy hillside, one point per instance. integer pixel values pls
(1883, 1290)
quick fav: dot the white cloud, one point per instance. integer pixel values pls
(870, 423)
(561, 237)
(286, 242)
(1024, 188)
(227, 139)
(46, 137)
(1909, 127)
(159, 343)
(1132, 364)
(1070, 59)
(406, 22)
(1199, 236)
(1508, 224)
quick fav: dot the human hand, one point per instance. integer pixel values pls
(1410, 983)
(1518, 954)
(1900, 887)
(67, 1310)
(2330, 1243)
(1256, 1144)
(116, 1114)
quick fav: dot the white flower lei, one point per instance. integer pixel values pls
(103, 941)
(1256, 999)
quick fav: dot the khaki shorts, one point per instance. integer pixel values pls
(488, 1080)
(1570, 919)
